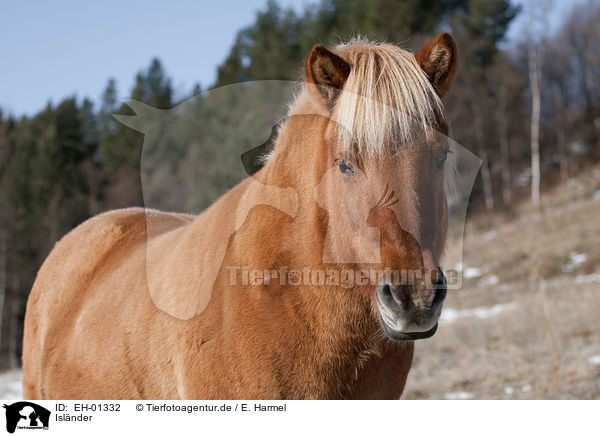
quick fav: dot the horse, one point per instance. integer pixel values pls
(286, 311)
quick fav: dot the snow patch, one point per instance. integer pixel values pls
(575, 260)
(471, 272)
(450, 315)
(490, 235)
(460, 395)
(595, 360)
(13, 391)
(11, 387)
(489, 281)
(589, 278)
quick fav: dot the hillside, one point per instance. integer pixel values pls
(526, 323)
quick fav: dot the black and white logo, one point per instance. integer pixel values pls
(26, 415)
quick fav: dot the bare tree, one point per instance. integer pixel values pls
(486, 179)
(502, 118)
(536, 26)
(535, 60)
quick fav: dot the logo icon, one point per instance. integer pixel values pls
(26, 415)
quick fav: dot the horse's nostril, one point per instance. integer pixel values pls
(385, 289)
(439, 282)
(391, 298)
(386, 292)
(399, 298)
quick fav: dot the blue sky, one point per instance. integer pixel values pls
(51, 50)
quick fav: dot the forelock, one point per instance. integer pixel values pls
(387, 99)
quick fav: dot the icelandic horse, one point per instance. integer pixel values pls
(354, 180)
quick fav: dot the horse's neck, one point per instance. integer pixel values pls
(344, 339)
(342, 333)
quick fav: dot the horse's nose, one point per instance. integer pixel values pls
(417, 291)
(410, 310)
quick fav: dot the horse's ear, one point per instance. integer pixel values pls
(326, 70)
(438, 60)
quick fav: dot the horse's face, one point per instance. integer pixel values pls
(389, 210)
(390, 213)
(413, 233)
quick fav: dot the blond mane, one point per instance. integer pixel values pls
(387, 98)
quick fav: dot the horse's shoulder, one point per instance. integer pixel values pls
(104, 230)
(116, 230)
(130, 222)
(107, 238)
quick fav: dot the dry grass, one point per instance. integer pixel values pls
(546, 343)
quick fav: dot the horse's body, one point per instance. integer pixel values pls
(93, 330)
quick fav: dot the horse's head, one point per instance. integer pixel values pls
(369, 136)
(366, 140)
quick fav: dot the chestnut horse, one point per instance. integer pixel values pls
(363, 184)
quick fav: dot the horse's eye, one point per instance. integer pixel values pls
(441, 159)
(346, 169)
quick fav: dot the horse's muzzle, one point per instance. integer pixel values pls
(410, 312)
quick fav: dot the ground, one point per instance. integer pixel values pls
(10, 385)
(526, 322)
